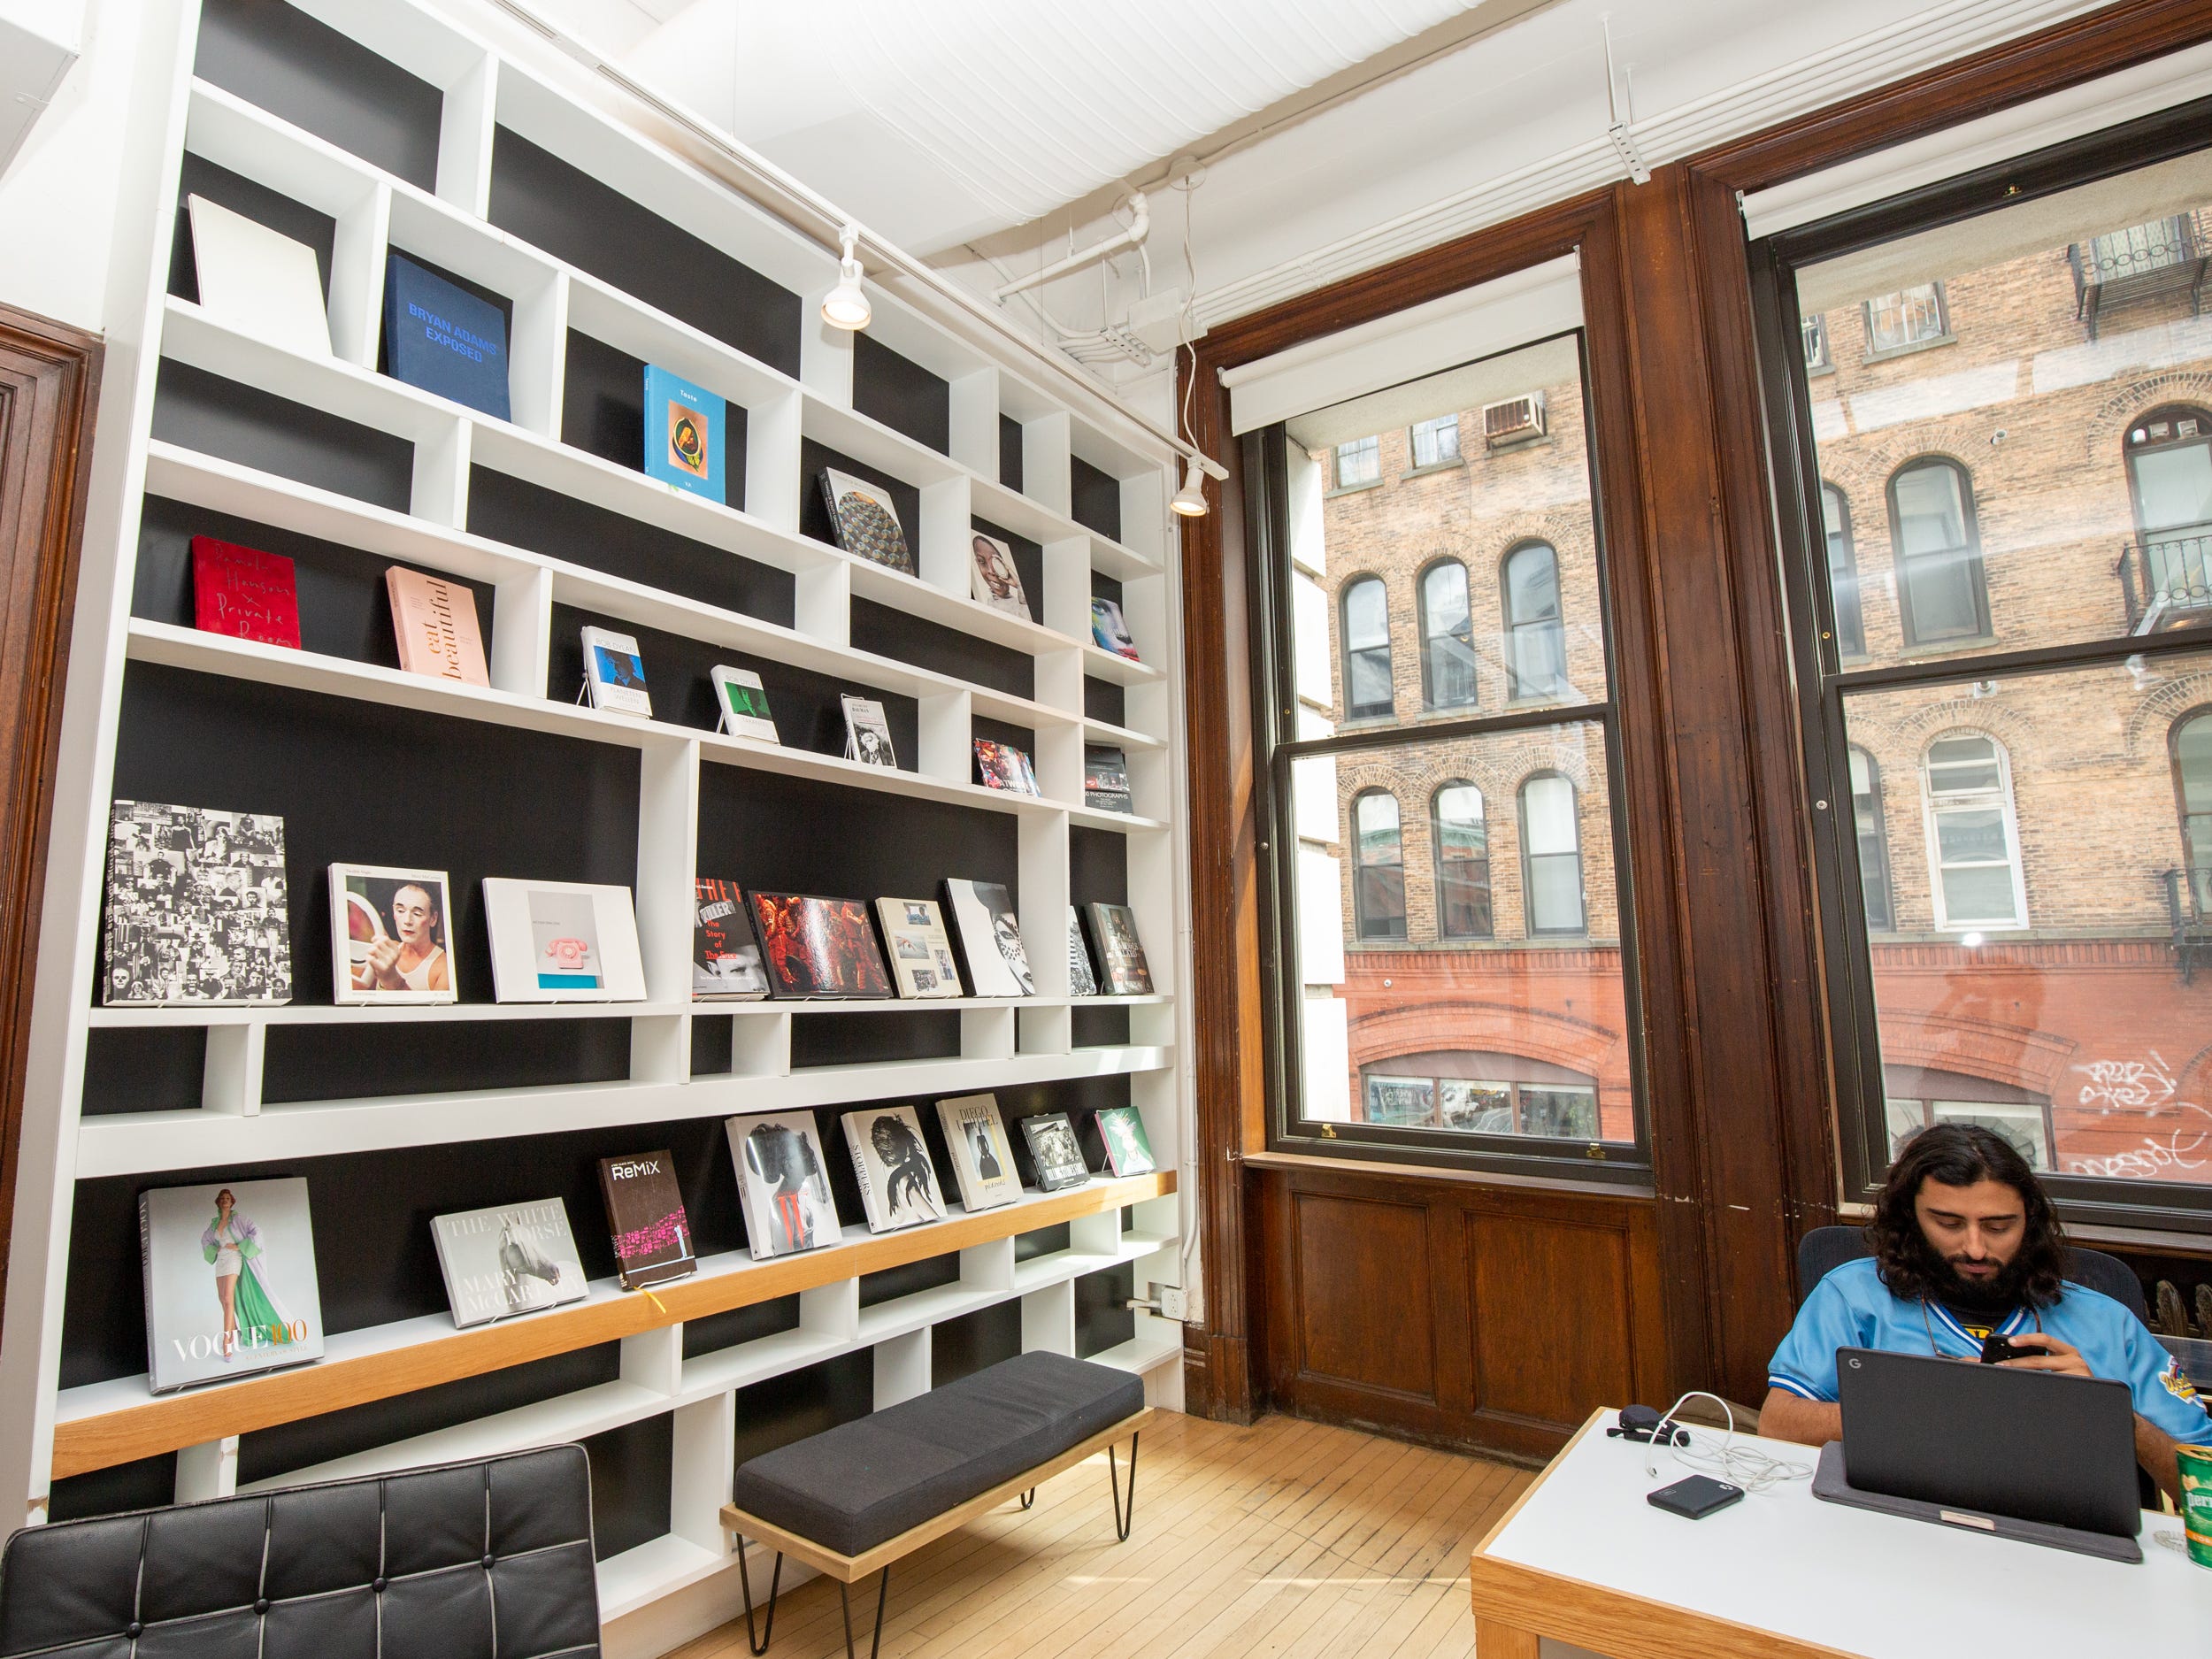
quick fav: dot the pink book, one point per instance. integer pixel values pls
(244, 593)
(435, 623)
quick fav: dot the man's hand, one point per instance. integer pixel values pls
(2057, 1356)
(384, 965)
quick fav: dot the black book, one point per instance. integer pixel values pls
(1106, 778)
(1055, 1157)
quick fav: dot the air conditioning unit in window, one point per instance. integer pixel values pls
(1515, 421)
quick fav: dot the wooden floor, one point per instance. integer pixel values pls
(1284, 1540)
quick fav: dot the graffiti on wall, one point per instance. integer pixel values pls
(2144, 1086)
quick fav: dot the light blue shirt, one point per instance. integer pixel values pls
(1852, 1308)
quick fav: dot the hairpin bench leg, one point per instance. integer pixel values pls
(845, 1603)
(1123, 1517)
(1029, 1497)
(759, 1643)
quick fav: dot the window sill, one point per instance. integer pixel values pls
(1980, 642)
(1366, 722)
(1457, 464)
(1352, 489)
(1637, 1185)
(1895, 353)
(1813, 371)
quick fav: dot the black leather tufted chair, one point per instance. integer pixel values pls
(489, 1560)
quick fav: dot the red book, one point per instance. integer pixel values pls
(244, 593)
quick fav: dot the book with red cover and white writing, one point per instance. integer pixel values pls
(434, 622)
(645, 1213)
(244, 593)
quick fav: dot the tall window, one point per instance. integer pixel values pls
(1358, 462)
(1535, 639)
(1843, 573)
(1435, 442)
(1939, 582)
(1379, 889)
(1447, 637)
(1463, 862)
(1551, 856)
(2169, 471)
(2192, 787)
(1815, 326)
(1973, 846)
(1910, 316)
(1866, 816)
(1367, 689)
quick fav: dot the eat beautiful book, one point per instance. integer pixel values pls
(434, 622)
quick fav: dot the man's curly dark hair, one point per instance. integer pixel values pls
(1960, 1155)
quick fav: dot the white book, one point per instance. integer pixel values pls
(990, 938)
(509, 1259)
(992, 578)
(867, 734)
(982, 1162)
(257, 281)
(615, 674)
(922, 962)
(230, 1280)
(563, 941)
(898, 1183)
(741, 702)
(784, 1182)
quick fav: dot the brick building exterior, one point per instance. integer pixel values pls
(2011, 458)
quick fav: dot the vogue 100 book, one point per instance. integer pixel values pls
(509, 1259)
(230, 1280)
(818, 948)
(983, 1163)
(645, 1215)
(433, 622)
(196, 908)
(244, 593)
(898, 1183)
(725, 956)
(444, 339)
(784, 1182)
(683, 435)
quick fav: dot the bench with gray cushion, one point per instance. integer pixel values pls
(853, 1499)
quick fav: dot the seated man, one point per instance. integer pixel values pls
(1966, 1244)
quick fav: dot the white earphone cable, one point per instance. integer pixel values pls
(1740, 1465)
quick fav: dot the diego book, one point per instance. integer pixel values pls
(982, 1162)
(508, 1259)
(229, 1280)
(898, 1183)
(645, 1218)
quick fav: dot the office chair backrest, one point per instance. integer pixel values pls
(1823, 1250)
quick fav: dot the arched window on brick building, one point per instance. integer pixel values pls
(1447, 637)
(1843, 573)
(2192, 791)
(1551, 856)
(1941, 592)
(1973, 836)
(1379, 867)
(1462, 838)
(1366, 629)
(2170, 475)
(1535, 639)
(1873, 833)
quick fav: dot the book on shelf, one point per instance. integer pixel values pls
(993, 579)
(256, 281)
(784, 1181)
(990, 938)
(230, 1282)
(866, 521)
(1002, 766)
(1112, 631)
(1128, 1148)
(244, 593)
(1082, 980)
(563, 941)
(1054, 1155)
(390, 936)
(726, 962)
(614, 673)
(645, 1217)
(818, 948)
(983, 1163)
(683, 434)
(867, 733)
(898, 1183)
(443, 338)
(196, 908)
(1122, 969)
(508, 1259)
(742, 704)
(1106, 778)
(919, 947)
(433, 621)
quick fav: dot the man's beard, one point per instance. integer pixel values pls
(1999, 1293)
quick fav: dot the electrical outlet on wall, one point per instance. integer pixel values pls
(1172, 1305)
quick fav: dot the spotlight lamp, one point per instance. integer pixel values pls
(1190, 501)
(846, 305)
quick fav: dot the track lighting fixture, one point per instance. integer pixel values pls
(846, 305)
(1190, 501)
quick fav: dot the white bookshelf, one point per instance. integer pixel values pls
(676, 1583)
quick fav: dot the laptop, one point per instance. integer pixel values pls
(2026, 1455)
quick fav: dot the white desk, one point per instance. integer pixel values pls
(1583, 1559)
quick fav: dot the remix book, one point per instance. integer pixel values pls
(993, 579)
(983, 1163)
(1111, 631)
(196, 908)
(433, 621)
(921, 951)
(615, 674)
(898, 1183)
(784, 1182)
(645, 1215)
(390, 936)
(1053, 1151)
(509, 1259)
(244, 593)
(443, 338)
(1122, 971)
(683, 435)
(741, 702)
(818, 948)
(990, 938)
(866, 521)
(726, 961)
(230, 1280)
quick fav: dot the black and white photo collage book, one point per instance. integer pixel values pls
(196, 908)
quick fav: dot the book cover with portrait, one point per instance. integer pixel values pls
(920, 948)
(391, 936)
(994, 581)
(614, 673)
(683, 434)
(1128, 1148)
(866, 521)
(196, 908)
(818, 948)
(1122, 969)
(982, 1162)
(230, 1280)
(1054, 1156)
(1082, 980)
(1111, 630)
(867, 732)
(509, 1259)
(646, 1219)
(898, 1183)
(784, 1182)
(726, 962)
(990, 938)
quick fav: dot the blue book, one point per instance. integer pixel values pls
(683, 435)
(444, 339)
